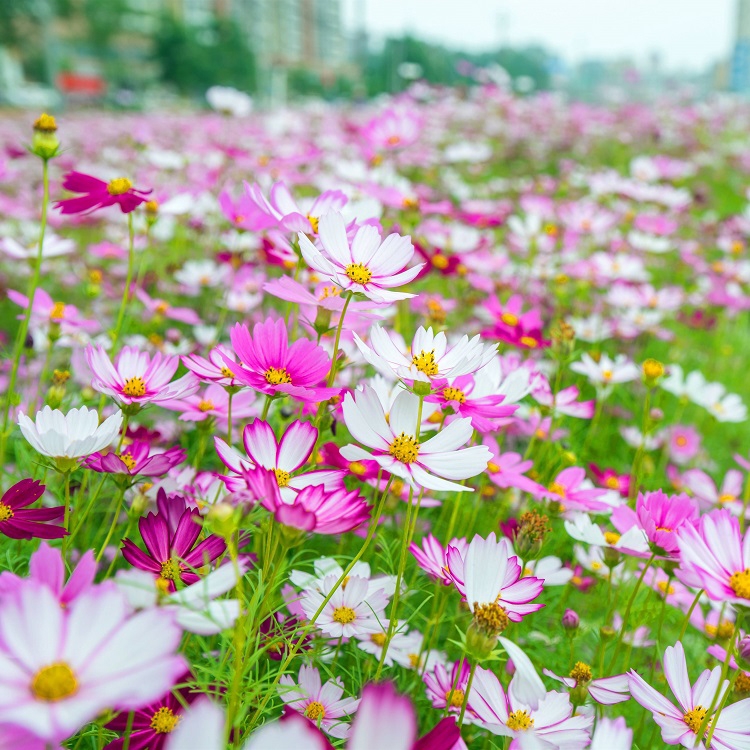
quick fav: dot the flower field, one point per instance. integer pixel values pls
(414, 426)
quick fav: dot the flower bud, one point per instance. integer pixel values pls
(570, 620)
(653, 370)
(421, 388)
(44, 142)
(222, 519)
(743, 652)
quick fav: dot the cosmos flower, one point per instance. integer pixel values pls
(369, 265)
(214, 369)
(573, 491)
(429, 357)
(136, 378)
(270, 365)
(604, 690)
(46, 312)
(61, 667)
(136, 460)
(433, 557)
(680, 725)
(322, 704)
(397, 447)
(72, 435)
(17, 521)
(611, 734)
(171, 550)
(392, 129)
(447, 689)
(606, 372)
(100, 194)
(214, 402)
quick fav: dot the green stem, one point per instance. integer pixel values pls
(114, 509)
(24, 329)
(128, 279)
(466, 695)
(690, 612)
(266, 406)
(87, 510)
(337, 339)
(239, 645)
(724, 670)
(229, 418)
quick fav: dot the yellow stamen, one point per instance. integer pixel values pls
(519, 721)
(128, 460)
(282, 477)
(315, 711)
(454, 394)
(491, 618)
(276, 376)
(134, 387)
(119, 186)
(359, 273)
(170, 570)
(378, 639)
(164, 720)
(455, 698)
(581, 673)
(344, 615)
(206, 405)
(695, 718)
(313, 222)
(740, 583)
(425, 362)
(54, 682)
(404, 448)
(509, 319)
(57, 312)
(6, 512)
(611, 537)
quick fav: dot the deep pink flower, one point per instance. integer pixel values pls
(610, 479)
(162, 308)
(100, 194)
(170, 543)
(574, 492)
(214, 369)
(136, 459)
(19, 522)
(509, 469)
(512, 325)
(273, 367)
(660, 516)
(433, 557)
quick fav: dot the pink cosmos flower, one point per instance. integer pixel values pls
(61, 667)
(136, 460)
(610, 479)
(322, 704)
(314, 508)
(508, 470)
(447, 689)
(281, 210)
(396, 443)
(214, 369)
(271, 366)
(214, 402)
(512, 325)
(604, 690)
(47, 567)
(683, 443)
(100, 194)
(394, 128)
(487, 576)
(45, 312)
(369, 265)
(162, 308)
(282, 457)
(660, 517)
(433, 557)
(538, 718)
(573, 491)
(612, 734)
(170, 539)
(680, 725)
(709, 496)
(136, 379)
(352, 609)
(17, 521)
(564, 402)
(714, 556)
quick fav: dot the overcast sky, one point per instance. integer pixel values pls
(687, 33)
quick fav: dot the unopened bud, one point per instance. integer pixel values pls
(421, 388)
(222, 519)
(570, 620)
(743, 652)
(44, 142)
(55, 395)
(653, 370)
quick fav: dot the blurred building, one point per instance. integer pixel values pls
(739, 74)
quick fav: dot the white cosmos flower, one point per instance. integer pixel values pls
(72, 435)
(429, 357)
(369, 265)
(606, 371)
(396, 445)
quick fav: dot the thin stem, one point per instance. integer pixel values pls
(24, 329)
(466, 695)
(239, 644)
(690, 612)
(114, 509)
(724, 670)
(335, 359)
(229, 417)
(128, 280)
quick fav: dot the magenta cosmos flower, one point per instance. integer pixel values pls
(100, 194)
(136, 459)
(138, 379)
(432, 557)
(214, 402)
(17, 521)
(659, 516)
(170, 539)
(369, 265)
(680, 725)
(282, 457)
(573, 491)
(271, 366)
(61, 667)
(714, 557)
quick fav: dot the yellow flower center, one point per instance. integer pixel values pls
(128, 460)
(740, 583)
(665, 588)
(455, 698)
(45, 123)
(206, 405)
(493, 468)
(134, 387)
(359, 273)
(742, 683)
(161, 308)
(612, 483)
(344, 615)
(164, 720)
(425, 362)
(329, 291)
(454, 394)
(695, 718)
(607, 374)
(57, 312)
(519, 721)
(414, 660)
(313, 222)
(276, 376)
(404, 448)
(357, 468)
(315, 711)
(440, 261)
(581, 673)
(727, 498)
(282, 477)
(119, 186)
(378, 639)
(557, 488)
(393, 140)
(6, 512)
(170, 570)
(436, 311)
(55, 682)
(725, 630)
(611, 537)
(509, 319)
(681, 440)
(491, 618)
(226, 372)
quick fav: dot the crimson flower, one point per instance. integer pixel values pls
(100, 194)
(136, 459)
(19, 522)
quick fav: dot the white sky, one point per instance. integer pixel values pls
(688, 34)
